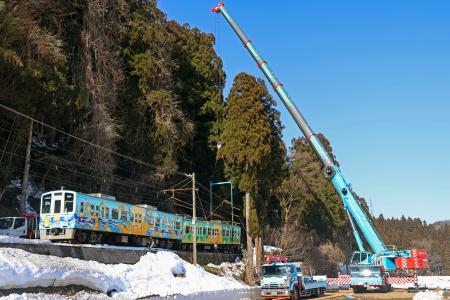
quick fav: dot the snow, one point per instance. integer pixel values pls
(429, 295)
(4, 239)
(230, 270)
(431, 282)
(78, 296)
(271, 249)
(152, 275)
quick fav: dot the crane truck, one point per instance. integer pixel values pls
(281, 279)
(368, 267)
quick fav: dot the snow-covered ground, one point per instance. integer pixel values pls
(431, 282)
(15, 240)
(434, 282)
(429, 295)
(152, 275)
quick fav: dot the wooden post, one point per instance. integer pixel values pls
(258, 249)
(249, 268)
(194, 223)
(26, 170)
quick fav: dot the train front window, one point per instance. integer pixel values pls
(46, 203)
(68, 202)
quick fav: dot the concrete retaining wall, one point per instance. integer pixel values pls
(126, 255)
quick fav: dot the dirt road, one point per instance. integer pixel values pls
(394, 295)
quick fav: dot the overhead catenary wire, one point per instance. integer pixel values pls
(139, 161)
(127, 157)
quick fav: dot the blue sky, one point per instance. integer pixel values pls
(373, 76)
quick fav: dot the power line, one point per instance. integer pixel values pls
(79, 164)
(88, 142)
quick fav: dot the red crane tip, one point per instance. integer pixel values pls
(217, 8)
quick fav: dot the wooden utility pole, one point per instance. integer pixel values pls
(26, 170)
(249, 268)
(194, 223)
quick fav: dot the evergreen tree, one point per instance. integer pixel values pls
(252, 150)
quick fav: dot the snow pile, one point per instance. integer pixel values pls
(152, 275)
(429, 295)
(230, 270)
(40, 296)
(271, 249)
(434, 282)
(4, 239)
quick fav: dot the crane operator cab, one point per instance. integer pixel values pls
(365, 273)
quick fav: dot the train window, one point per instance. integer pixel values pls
(152, 220)
(92, 209)
(123, 215)
(132, 218)
(58, 194)
(204, 231)
(157, 221)
(209, 231)
(81, 207)
(186, 229)
(68, 202)
(57, 207)
(107, 212)
(46, 201)
(102, 212)
(114, 214)
(177, 225)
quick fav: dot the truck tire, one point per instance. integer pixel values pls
(359, 289)
(316, 294)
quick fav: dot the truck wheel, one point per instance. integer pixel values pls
(317, 293)
(359, 289)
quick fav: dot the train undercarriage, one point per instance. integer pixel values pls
(77, 236)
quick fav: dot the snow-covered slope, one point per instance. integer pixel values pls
(152, 275)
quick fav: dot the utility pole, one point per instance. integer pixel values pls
(194, 223)
(211, 184)
(194, 214)
(249, 267)
(26, 170)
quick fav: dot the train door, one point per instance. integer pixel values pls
(57, 203)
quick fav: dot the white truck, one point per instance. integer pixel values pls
(24, 226)
(281, 279)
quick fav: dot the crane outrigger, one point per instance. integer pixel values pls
(368, 268)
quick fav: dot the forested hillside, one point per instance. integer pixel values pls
(126, 102)
(115, 73)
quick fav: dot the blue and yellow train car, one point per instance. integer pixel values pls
(96, 218)
(212, 235)
(74, 216)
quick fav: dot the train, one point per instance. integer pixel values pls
(75, 217)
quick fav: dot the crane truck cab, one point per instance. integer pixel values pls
(23, 226)
(281, 279)
(366, 272)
